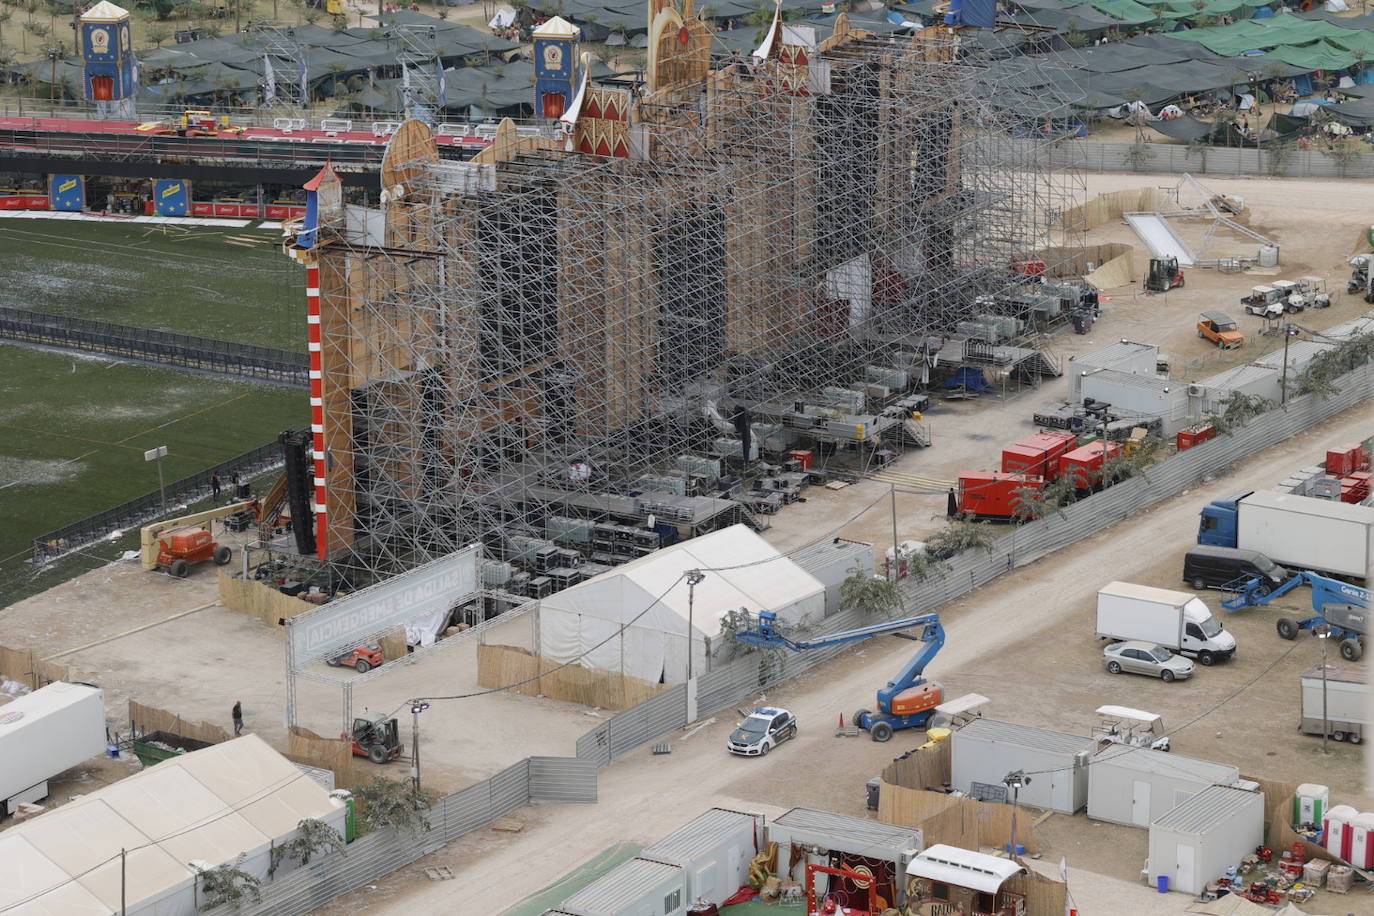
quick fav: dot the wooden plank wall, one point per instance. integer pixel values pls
(498, 665)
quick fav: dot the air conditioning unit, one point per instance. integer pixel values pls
(1197, 391)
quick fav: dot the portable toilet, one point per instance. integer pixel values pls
(1336, 827)
(1361, 841)
(1310, 803)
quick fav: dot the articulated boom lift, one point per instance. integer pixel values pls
(1342, 606)
(908, 700)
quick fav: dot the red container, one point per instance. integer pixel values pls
(803, 456)
(1030, 268)
(1194, 435)
(1341, 461)
(1354, 489)
(1024, 459)
(992, 494)
(1056, 443)
(1083, 465)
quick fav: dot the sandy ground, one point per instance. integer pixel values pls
(1007, 641)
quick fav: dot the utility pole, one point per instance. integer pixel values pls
(1014, 781)
(896, 555)
(416, 707)
(157, 454)
(123, 856)
(1323, 633)
(1283, 386)
(694, 578)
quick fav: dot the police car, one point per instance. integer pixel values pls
(764, 729)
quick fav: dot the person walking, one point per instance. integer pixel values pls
(215, 486)
(238, 718)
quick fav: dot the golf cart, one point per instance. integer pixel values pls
(1134, 727)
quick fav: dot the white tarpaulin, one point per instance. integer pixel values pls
(654, 590)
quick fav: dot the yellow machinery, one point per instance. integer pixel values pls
(150, 545)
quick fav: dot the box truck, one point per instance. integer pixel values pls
(1347, 702)
(1300, 532)
(1174, 620)
(43, 733)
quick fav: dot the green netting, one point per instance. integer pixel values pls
(1127, 11)
(1319, 55)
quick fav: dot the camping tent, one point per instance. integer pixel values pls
(649, 598)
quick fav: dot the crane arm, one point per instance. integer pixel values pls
(148, 534)
(767, 635)
(934, 638)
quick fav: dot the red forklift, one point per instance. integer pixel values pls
(1164, 275)
(375, 737)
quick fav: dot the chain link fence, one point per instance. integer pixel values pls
(224, 357)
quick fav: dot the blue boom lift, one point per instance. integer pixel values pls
(908, 700)
(1342, 606)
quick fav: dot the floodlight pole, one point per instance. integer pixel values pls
(1014, 781)
(1323, 633)
(694, 578)
(156, 454)
(416, 707)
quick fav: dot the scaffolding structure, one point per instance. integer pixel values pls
(284, 82)
(422, 72)
(739, 257)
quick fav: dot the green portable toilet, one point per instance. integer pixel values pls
(1310, 803)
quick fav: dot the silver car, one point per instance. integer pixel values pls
(1146, 658)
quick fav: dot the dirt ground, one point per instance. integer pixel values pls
(1021, 638)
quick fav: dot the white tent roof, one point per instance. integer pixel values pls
(752, 575)
(209, 805)
(962, 868)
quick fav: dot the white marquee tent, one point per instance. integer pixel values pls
(207, 807)
(652, 592)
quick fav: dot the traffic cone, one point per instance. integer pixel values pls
(841, 720)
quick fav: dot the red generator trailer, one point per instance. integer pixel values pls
(1038, 455)
(993, 495)
(1084, 464)
(1194, 436)
(1024, 459)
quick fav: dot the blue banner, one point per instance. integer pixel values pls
(67, 192)
(173, 197)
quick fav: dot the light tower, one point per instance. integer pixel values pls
(110, 74)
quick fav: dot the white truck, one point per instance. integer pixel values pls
(43, 733)
(1347, 702)
(1175, 620)
(1299, 532)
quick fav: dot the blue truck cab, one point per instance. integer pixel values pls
(1217, 525)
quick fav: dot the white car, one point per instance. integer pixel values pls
(764, 729)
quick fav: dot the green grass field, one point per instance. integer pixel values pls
(73, 430)
(197, 280)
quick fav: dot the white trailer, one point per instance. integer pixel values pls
(43, 733)
(1303, 532)
(1175, 620)
(1198, 840)
(1347, 703)
(1136, 786)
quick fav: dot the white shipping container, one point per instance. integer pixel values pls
(1197, 841)
(1303, 532)
(45, 732)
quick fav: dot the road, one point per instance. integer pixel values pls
(644, 797)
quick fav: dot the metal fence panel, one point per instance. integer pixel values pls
(224, 357)
(565, 779)
(144, 508)
(1213, 160)
(632, 727)
(510, 788)
(595, 745)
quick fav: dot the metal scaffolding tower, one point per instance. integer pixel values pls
(285, 80)
(740, 256)
(422, 72)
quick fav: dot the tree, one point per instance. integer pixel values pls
(960, 533)
(157, 33)
(1138, 155)
(1199, 148)
(1237, 410)
(383, 803)
(1278, 155)
(312, 837)
(5, 17)
(36, 29)
(870, 593)
(228, 884)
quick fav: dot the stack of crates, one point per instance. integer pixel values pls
(1350, 465)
